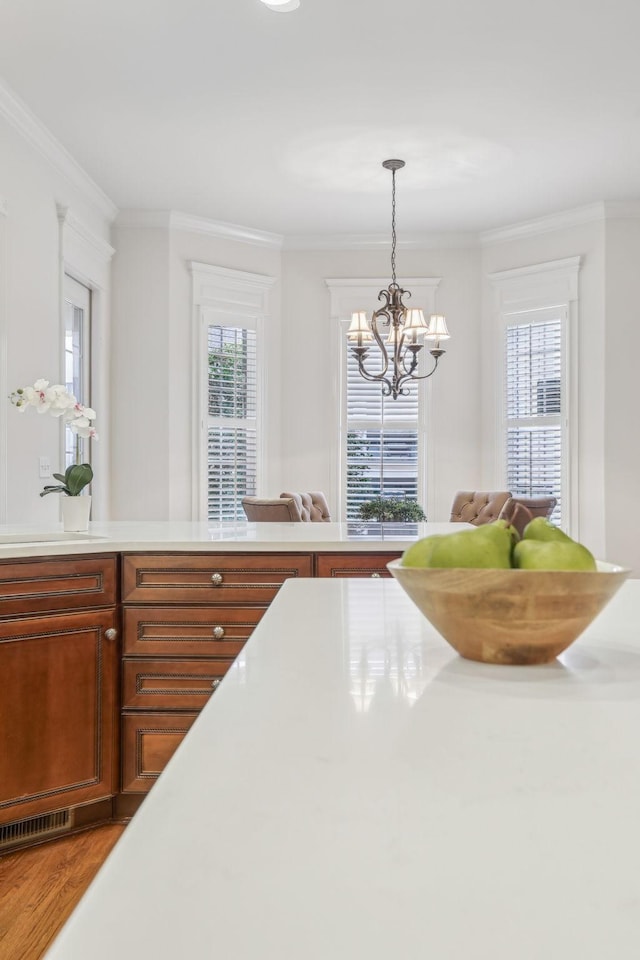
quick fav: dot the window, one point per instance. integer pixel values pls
(536, 440)
(77, 359)
(230, 309)
(232, 425)
(383, 442)
(537, 428)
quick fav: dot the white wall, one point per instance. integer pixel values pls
(33, 181)
(621, 458)
(310, 375)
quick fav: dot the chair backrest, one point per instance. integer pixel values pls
(282, 510)
(520, 510)
(288, 508)
(313, 507)
(476, 506)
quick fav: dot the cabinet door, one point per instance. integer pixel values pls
(149, 740)
(57, 712)
(354, 564)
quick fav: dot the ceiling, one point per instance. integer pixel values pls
(225, 109)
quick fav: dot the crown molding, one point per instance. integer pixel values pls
(380, 241)
(99, 247)
(190, 223)
(603, 210)
(18, 115)
(226, 231)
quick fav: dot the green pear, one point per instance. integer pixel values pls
(552, 555)
(540, 529)
(488, 545)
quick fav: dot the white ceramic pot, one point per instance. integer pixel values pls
(75, 513)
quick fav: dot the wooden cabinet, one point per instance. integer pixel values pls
(58, 695)
(354, 564)
(88, 720)
(186, 618)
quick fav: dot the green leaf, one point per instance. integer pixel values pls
(77, 477)
(60, 477)
(59, 489)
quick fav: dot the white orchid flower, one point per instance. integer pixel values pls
(59, 402)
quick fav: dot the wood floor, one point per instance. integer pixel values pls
(40, 887)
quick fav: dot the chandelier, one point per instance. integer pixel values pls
(403, 328)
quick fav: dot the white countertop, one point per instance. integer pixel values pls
(356, 790)
(21, 540)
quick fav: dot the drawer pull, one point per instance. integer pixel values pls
(218, 632)
(375, 576)
(215, 684)
(111, 634)
(216, 579)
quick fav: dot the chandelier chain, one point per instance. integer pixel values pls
(393, 227)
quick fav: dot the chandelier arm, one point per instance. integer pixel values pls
(376, 335)
(423, 376)
(374, 377)
(414, 361)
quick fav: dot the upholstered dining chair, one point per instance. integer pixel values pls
(288, 508)
(477, 506)
(520, 510)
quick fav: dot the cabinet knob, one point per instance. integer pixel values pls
(215, 684)
(218, 632)
(111, 634)
(375, 576)
(216, 579)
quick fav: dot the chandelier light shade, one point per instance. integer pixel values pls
(396, 333)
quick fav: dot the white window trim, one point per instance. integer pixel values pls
(347, 296)
(228, 298)
(86, 257)
(553, 284)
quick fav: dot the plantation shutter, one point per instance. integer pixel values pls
(382, 441)
(232, 420)
(534, 405)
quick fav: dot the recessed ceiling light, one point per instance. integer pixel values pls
(282, 6)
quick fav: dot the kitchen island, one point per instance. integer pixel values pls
(355, 789)
(112, 641)
(41, 540)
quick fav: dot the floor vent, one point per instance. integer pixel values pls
(34, 827)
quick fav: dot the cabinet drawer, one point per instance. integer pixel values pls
(188, 631)
(148, 743)
(354, 564)
(209, 578)
(171, 684)
(64, 583)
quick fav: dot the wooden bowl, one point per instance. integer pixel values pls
(509, 616)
